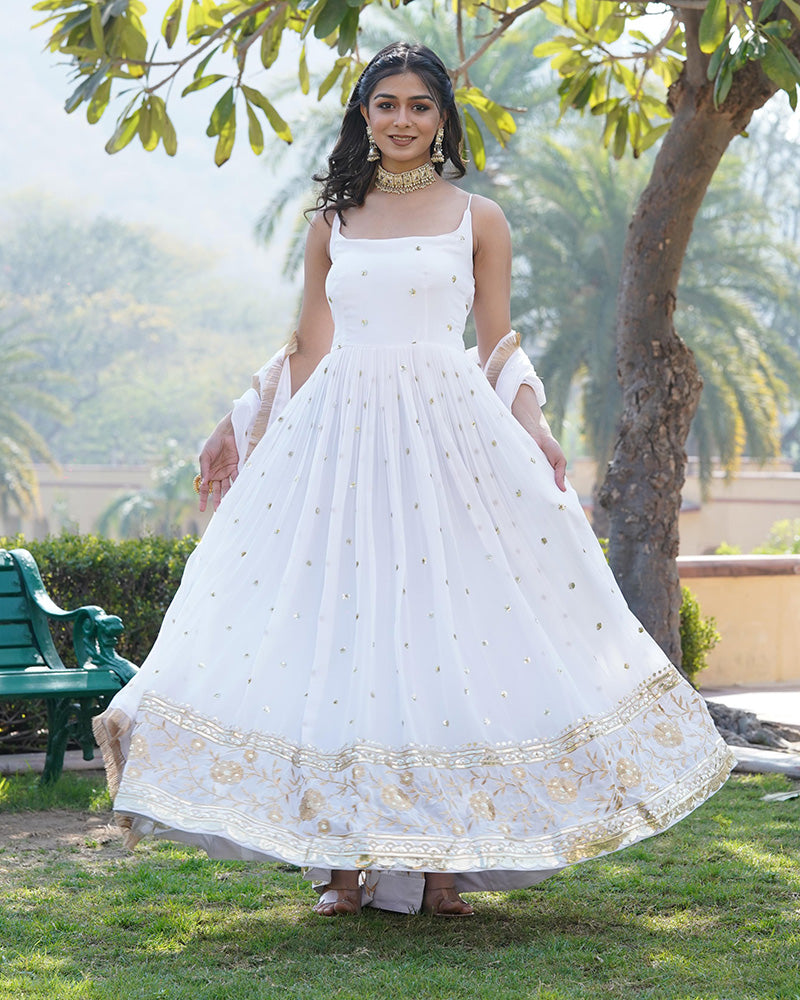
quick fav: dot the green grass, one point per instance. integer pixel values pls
(22, 792)
(709, 910)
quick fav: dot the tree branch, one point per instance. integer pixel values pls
(506, 20)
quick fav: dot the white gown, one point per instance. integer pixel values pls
(398, 646)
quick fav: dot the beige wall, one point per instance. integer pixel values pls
(756, 603)
(74, 496)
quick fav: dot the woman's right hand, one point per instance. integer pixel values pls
(219, 463)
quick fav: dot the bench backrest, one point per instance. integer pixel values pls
(19, 645)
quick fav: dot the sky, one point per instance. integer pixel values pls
(45, 151)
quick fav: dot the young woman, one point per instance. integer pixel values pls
(398, 657)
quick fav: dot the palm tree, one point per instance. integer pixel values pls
(162, 509)
(569, 206)
(22, 376)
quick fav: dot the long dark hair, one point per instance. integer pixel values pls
(350, 174)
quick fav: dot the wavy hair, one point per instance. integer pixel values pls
(350, 174)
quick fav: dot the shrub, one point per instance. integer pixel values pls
(699, 635)
(135, 579)
(783, 539)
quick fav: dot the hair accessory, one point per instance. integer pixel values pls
(407, 181)
(438, 153)
(373, 153)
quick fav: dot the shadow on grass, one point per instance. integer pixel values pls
(706, 911)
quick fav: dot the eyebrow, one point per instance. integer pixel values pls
(417, 97)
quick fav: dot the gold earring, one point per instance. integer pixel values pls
(373, 153)
(438, 153)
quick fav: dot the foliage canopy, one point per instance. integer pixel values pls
(614, 59)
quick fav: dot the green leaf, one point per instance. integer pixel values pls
(96, 25)
(202, 83)
(475, 140)
(222, 111)
(331, 78)
(330, 17)
(194, 19)
(348, 31)
(653, 135)
(254, 132)
(227, 136)
(620, 137)
(793, 6)
(713, 25)
(201, 66)
(303, 72)
(767, 7)
(126, 129)
(271, 40)
(99, 102)
(720, 53)
(168, 137)
(722, 84)
(777, 64)
(278, 125)
(557, 44)
(149, 131)
(85, 91)
(172, 22)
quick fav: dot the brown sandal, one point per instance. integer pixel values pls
(445, 902)
(335, 902)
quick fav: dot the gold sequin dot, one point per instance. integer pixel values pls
(544, 541)
(598, 626)
(412, 291)
(571, 586)
(454, 279)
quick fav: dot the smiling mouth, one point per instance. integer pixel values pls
(404, 139)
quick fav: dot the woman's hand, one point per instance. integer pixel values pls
(219, 463)
(528, 412)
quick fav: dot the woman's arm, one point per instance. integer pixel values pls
(220, 457)
(491, 309)
(315, 325)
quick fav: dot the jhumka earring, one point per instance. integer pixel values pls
(373, 153)
(437, 156)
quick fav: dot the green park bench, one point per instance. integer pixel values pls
(30, 667)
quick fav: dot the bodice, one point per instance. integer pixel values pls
(402, 290)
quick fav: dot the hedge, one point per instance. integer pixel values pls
(135, 579)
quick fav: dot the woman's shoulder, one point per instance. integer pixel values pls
(487, 211)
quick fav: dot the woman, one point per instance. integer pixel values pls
(398, 657)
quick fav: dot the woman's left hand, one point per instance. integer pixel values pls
(527, 411)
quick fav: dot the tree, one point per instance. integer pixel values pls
(163, 509)
(21, 378)
(720, 59)
(569, 230)
(151, 344)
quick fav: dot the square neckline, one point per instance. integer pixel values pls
(389, 239)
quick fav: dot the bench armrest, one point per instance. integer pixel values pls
(94, 633)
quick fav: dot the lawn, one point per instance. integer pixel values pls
(709, 910)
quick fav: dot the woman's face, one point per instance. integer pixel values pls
(404, 118)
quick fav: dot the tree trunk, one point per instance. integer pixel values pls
(660, 383)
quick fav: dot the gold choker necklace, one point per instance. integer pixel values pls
(407, 181)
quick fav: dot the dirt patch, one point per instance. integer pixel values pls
(58, 829)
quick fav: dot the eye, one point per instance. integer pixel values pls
(422, 107)
(385, 106)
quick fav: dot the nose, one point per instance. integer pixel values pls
(401, 118)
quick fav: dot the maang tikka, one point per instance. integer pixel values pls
(437, 156)
(373, 153)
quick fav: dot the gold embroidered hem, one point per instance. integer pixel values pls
(532, 806)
